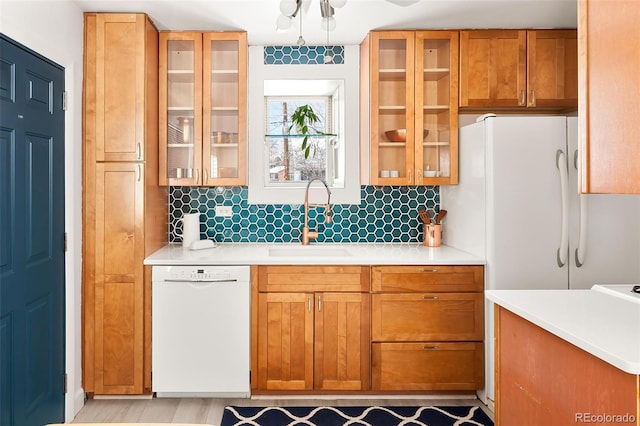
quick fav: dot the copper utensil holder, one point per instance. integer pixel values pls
(432, 235)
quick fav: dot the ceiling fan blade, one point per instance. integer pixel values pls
(403, 3)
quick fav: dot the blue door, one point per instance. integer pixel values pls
(31, 238)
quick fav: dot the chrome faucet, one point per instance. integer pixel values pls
(306, 233)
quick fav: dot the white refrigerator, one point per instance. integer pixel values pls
(517, 205)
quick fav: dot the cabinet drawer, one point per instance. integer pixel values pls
(427, 316)
(427, 278)
(427, 366)
(313, 278)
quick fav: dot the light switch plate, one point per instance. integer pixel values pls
(224, 211)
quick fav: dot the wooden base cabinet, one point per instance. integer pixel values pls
(310, 339)
(124, 209)
(427, 328)
(427, 366)
(542, 379)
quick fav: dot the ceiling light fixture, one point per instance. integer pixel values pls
(328, 56)
(291, 8)
(301, 41)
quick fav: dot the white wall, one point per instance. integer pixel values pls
(54, 29)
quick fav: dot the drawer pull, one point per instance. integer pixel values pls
(429, 297)
(428, 270)
(430, 348)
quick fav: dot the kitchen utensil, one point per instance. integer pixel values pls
(424, 216)
(432, 235)
(440, 216)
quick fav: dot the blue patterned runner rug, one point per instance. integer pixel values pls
(360, 416)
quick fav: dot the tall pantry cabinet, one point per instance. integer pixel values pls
(124, 208)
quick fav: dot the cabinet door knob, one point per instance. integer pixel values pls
(532, 101)
(319, 304)
(429, 297)
(206, 176)
(309, 303)
(428, 270)
(138, 150)
(523, 97)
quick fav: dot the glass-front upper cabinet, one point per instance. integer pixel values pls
(180, 102)
(413, 107)
(436, 113)
(202, 99)
(392, 130)
(224, 116)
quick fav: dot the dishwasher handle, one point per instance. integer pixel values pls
(224, 280)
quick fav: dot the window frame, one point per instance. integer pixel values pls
(343, 192)
(329, 166)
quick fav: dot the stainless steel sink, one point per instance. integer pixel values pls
(308, 251)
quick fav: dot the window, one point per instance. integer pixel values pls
(286, 163)
(278, 172)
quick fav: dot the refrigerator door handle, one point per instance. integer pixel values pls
(582, 224)
(563, 250)
(582, 235)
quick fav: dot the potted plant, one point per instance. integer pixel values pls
(303, 120)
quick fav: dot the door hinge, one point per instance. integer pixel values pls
(64, 100)
(65, 242)
(64, 383)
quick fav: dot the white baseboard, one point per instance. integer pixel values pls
(491, 405)
(73, 404)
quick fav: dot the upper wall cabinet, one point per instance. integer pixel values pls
(609, 108)
(119, 86)
(519, 69)
(410, 107)
(203, 97)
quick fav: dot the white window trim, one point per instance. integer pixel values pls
(258, 192)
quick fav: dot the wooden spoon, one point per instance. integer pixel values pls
(440, 216)
(424, 216)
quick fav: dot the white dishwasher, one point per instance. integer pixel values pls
(200, 331)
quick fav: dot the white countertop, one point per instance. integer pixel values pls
(314, 254)
(605, 325)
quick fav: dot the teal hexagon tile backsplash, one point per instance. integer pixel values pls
(385, 214)
(303, 55)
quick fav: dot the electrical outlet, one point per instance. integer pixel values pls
(224, 211)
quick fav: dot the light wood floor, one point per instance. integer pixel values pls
(209, 410)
